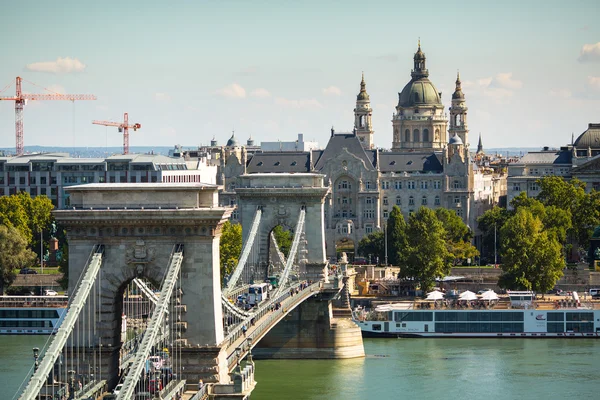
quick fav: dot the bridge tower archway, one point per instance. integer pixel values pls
(281, 196)
(139, 226)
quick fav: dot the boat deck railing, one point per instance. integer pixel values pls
(33, 301)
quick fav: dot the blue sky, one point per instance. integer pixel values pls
(191, 70)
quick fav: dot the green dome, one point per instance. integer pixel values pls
(419, 92)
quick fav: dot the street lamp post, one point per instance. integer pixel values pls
(385, 241)
(36, 354)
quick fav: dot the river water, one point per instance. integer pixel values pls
(461, 369)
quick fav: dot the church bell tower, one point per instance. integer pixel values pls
(362, 117)
(458, 114)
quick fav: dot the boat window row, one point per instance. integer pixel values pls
(26, 324)
(555, 316)
(25, 313)
(475, 316)
(412, 316)
(559, 327)
(580, 316)
(479, 327)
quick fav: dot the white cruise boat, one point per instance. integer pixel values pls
(31, 315)
(522, 316)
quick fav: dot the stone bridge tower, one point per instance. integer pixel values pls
(139, 224)
(281, 197)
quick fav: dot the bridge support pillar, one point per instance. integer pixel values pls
(311, 332)
(208, 363)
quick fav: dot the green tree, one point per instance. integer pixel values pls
(427, 256)
(531, 256)
(14, 254)
(584, 208)
(230, 247)
(396, 237)
(556, 220)
(458, 235)
(284, 239)
(489, 224)
(372, 245)
(14, 213)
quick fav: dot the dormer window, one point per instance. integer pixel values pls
(277, 163)
(259, 164)
(294, 163)
(393, 162)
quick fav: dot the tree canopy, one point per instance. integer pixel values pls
(458, 235)
(230, 247)
(14, 254)
(427, 257)
(284, 239)
(372, 245)
(396, 236)
(532, 256)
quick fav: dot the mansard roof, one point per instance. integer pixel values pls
(283, 161)
(350, 142)
(546, 157)
(410, 162)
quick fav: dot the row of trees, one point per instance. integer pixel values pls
(22, 218)
(426, 247)
(537, 235)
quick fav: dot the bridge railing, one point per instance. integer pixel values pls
(261, 325)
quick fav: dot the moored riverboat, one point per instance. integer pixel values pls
(519, 316)
(31, 315)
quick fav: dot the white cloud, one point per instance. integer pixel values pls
(564, 93)
(232, 91)
(590, 53)
(303, 103)
(60, 66)
(260, 93)
(56, 89)
(162, 97)
(504, 80)
(594, 81)
(332, 91)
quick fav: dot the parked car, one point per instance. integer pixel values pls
(482, 291)
(28, 271)
(50, 292)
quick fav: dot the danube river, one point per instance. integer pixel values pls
(461, 369)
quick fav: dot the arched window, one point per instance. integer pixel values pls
(398, 201)
(426, 135)
(456, 184)
(385, 201)
(416, 136)
(411, 201)
(437, 200)
(407, 135)
(424, 201)
(362, 121)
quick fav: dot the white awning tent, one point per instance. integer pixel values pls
(435, 295)
(468, 295)
(489, 295)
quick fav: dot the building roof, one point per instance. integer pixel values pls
(455, 140)
(351, 143)
(589, 138)
(409, 162)
(546, 157)
(279, 162)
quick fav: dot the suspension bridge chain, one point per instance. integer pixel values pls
(153, 329)
(235, 276)
(66, 328)
(291, 257)
(146, 290)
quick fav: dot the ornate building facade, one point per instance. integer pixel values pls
(429, 164)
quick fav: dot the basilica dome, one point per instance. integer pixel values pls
(589, 138)
(233, 142)
(419, 92)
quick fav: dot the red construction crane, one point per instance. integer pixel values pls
(20, 100)
(123, 127)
